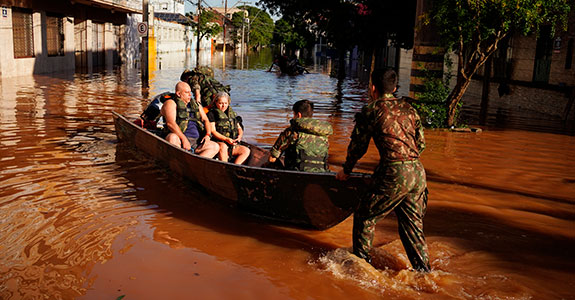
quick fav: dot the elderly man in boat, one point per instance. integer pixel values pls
(187, 125)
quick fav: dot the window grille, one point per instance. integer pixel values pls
(23, 33)
(55, 35)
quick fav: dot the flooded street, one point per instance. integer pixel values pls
(83, 217)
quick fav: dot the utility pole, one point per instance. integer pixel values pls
(248, 38)
(224, 50)
(144, 53)
(242, 43)
(198, 33)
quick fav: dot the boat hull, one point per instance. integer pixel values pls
(309, 200)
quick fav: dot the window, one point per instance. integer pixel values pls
(23, 33)
(55, 35)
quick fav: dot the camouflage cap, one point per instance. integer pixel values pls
(186, 75)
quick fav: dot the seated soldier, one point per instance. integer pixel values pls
(305, 142)
(227, 130)
(186, 122)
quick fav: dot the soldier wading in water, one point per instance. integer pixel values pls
(399, 182)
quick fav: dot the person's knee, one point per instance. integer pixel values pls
(245, 150)
(173, 139)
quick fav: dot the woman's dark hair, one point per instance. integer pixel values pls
(384, 80)
(305, 107)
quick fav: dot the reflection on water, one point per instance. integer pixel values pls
(84, 217)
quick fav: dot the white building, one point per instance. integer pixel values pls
(172, 30)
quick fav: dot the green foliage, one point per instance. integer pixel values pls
(287, 34)
(480, 21)
(431, 103)
(208, 27)
(474, 28)
(367, 23)
(237, 22)
(261, 26)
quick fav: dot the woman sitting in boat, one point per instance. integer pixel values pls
(305, 142)
(226, 129)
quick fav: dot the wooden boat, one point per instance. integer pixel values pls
(309, 200)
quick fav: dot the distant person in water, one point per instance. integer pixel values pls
(227, 130)
(187, 125)
(305, 142)
(399, 182)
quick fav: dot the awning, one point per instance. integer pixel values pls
(113, 5)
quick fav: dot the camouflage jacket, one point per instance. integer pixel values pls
(395, 128)
(305, 144)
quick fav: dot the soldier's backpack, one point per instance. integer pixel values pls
(209, 86)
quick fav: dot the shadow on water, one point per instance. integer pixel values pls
(195, 205)
(192, 204)
(434, 177)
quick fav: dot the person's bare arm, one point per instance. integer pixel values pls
(206, 121)
(198, 96)
(240, 135)
(169, 112)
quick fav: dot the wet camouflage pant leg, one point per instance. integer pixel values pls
(401, 188)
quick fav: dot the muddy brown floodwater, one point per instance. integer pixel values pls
(83, 217)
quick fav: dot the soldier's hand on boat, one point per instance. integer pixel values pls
(341, 176)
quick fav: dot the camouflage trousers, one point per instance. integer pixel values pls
(399, 187)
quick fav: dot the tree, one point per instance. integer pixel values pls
(332, 19)
(260, 27)
(366, 23)
(207, 24)
(237, 21)
(285, 33)
(474, 28)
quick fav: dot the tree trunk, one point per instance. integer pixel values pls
(372, 66)
(455, 97)
(485, 92)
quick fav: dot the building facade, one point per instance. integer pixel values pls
(52, 36)
(535, 73)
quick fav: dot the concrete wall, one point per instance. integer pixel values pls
(131, 51)
(522, 99)
(41, 62)
(125, 43)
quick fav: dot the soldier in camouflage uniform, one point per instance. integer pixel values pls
(305, 142)
(399, 182)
